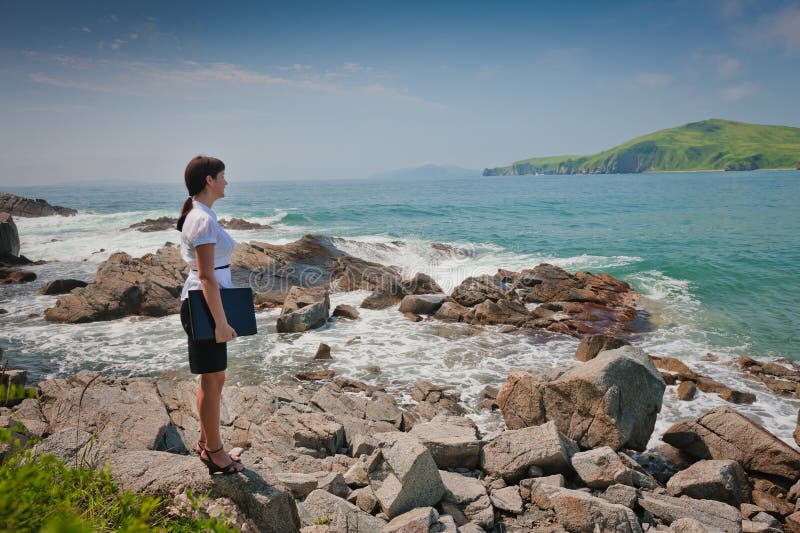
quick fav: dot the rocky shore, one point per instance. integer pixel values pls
(341, 455)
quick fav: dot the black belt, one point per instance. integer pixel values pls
(216, 268)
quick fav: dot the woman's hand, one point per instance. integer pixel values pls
(224, 333)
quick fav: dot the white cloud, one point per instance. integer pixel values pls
(739, 92)
(653, 80)
(68, 84)
(352, 68)
(116, 43)
(728, 66)
(782, 28)
(86, 29)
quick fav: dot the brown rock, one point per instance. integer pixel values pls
(706, 384)
(512, 452)
(353, 273)
(413, 317)
(346, 311)
(591, 345)
(772, 504)
(792, 524)
(323, 352)
(61, 286)
(723, 433)
(422, 284)
(304, 309)
(675, 366)
(13, 275)
(722, 480)
(315, 375)
(241, 224)
(687, 390)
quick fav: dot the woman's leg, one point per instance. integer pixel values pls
(209, 394)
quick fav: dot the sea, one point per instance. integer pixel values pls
(716, 256)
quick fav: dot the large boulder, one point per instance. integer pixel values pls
(61, 286)
(724, 433)
(405, 476)
(602, 467)
(578, 511)
(422, 284)
(9, 237)
(475, 290)
(723, 480)
(611, 400)
(150, 285)
(25, 207)
(167, 474)
(304, 309)
(513, 452)
(353, 273)
(713, 514)
(452, 440)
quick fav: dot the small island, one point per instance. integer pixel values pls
(712, 144)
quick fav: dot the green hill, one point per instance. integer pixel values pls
(712, 144)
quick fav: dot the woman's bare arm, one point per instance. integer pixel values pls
(204, 254)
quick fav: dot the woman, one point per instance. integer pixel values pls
(207, 248)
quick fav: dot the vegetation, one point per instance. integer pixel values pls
(42, 493)
(712, 144)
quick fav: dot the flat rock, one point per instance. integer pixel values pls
(724, 433)
(321, 505)
(161, 473)
(611, 400)
(710, 513)
(722, 480)
(453, 441)
(512, 452)
(415, 521)
(507, 499)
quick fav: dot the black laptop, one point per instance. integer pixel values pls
(239, 310)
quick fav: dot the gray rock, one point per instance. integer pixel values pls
(304, 309)
(724, 433)
(602, 467)
(470, 498)
(578, 511)
(507, 499)
(511, 453)
(25, 207)
(710, 513)
(356, 475)
(586, 402)
(723, 480)
(69, 445)
(421, 304)
(422, 284)
(363, 445)
(161, 473)
(298, 484)
(453, 441)
(415, 521)
(364, 498)
(406, 476)
(9, 236)
(622, 495)
(688, 525)
(445, 524)
(471, 528)
(346, 311)
(61, 286)
(333, 482)
(321, 505)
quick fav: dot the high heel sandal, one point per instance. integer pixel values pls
(198, 449)
(213, 468)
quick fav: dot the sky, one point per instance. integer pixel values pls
(324, 90)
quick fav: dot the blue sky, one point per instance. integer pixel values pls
(298, 90)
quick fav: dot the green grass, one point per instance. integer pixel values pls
(41, 493)
(712, 144)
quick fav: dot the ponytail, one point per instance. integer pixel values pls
(195, 178)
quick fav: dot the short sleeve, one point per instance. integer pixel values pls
(204, 233)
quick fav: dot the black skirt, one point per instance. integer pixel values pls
(204, 356)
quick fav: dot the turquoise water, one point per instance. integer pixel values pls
(722, 248)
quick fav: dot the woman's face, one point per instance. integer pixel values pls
(217, 185)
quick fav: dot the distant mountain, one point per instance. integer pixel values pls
(428, 172)
(712, 144)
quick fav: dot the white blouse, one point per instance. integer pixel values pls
(201, 227)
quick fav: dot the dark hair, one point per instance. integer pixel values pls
(195, 177)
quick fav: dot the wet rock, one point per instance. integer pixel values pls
(150, 285)
(602, 467)
(452, 312)
(241, 224)
(406, 476)
(13, 275)
(676, 367)
(9, 236)
(475, 290)
(323, 352)
(25, 207)
(726, 393)
(315, 375)
(155, 224)
(591, 345)
(710, 513)
(511, 453)
(687, 390)
(586, 401)
(412, 317)
(346, 311)
(61, 286)
(353, 273)
(470, 499)
(453, 441)
(415, 521)
(340, 514)
(421, 304)
(722, 480)
(500, 312)
(422, 284)
(161, 473)
(304, 309)
(579, 511)
(724, 433)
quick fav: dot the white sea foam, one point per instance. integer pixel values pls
(404, 351)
